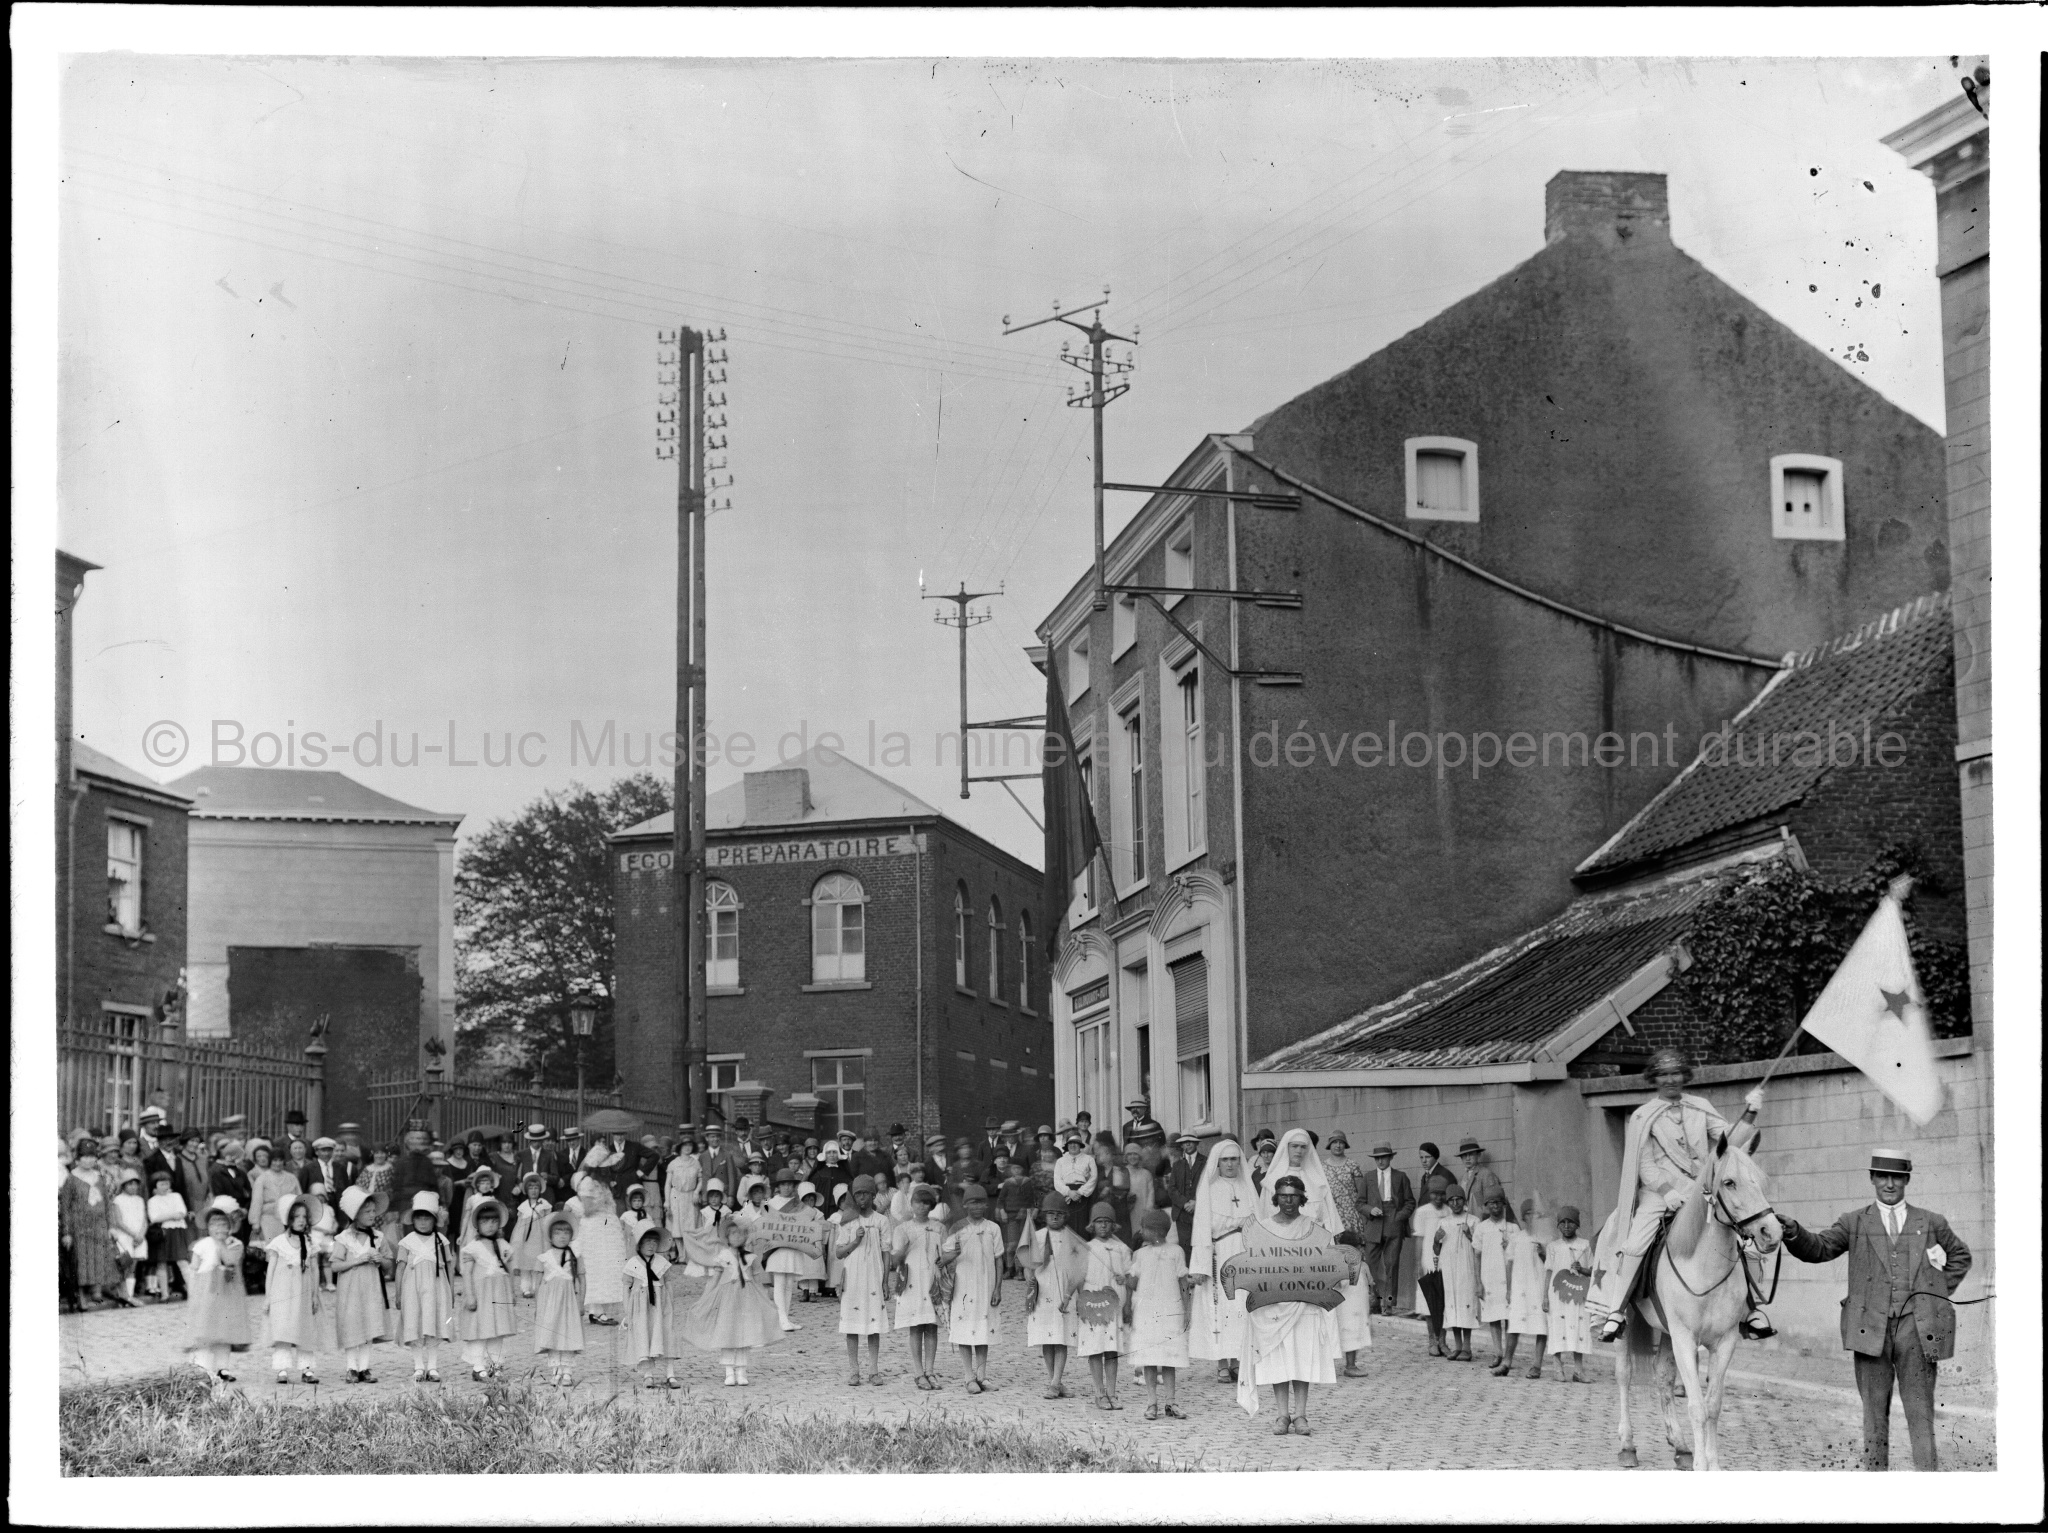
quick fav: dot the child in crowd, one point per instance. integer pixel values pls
(529, 1232)
(708, 1219)
(170, 1236)
(908, 1179)
(732, 1316)
(1056, 1260)
(292, 1289)
(1491, 1240)
(601, 1245)
(862, 1245)
(635, 1219)
(913, 1263)
(487, 1317)
(1014, 1201)
(1458, 1268)
(1159, 1321)
(646, 1333)
(361, 1263)
(974, 1252)
(1528, 1293)
(811, 1279)
(1429, 1281)
(1567, 1270)
(426, 1287)
(128, 1219)
(218, 1322)
(785, 1264)
(1103, 1330)
(753, 1201)
(1354, 1315)
(558, 1301)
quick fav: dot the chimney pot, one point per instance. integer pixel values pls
(1615, 207)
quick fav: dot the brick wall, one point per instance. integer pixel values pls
(108, 967)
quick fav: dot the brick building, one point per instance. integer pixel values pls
(870, 961)
(1535, 1047)
(312, 895)
(1546, 543)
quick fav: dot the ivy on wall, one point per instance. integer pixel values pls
(1765, 948)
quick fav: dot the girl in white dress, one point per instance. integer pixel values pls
(861, 1242)
(913, 1263)
(601, 1244)
(812, 1277)
(974, 1252)
(1105, 1325)
(558, 1302)
(1527, 1291)
(1491, 1239)
(128, 1221)
(1567, 1270)
(1458, 1267)
(217, 1308)
(1287, 1346)
(529, 1240)
(1056, 1264)
(1159, 1320)
(1429, 1283)
(426, 1287)
(1354, 1315)
(361, 1263)
(646, 1333)
(785, 1264)
(292, 1289)
(1225, 1205)
(487, 1317)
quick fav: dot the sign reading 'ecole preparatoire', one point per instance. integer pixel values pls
(766, 853)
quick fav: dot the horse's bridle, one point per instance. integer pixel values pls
(1727, 1220)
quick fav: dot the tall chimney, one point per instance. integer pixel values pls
(1615, 207)
(778, 796)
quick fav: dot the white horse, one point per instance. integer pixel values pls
(1698, 1299)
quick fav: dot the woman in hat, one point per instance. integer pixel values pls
(293, 1288)
(486, 1317)
(529, 1232)
(1347, 1182)
(217, 1321)
(84, 1226)
(426, 1288)
(128, 1221)
(558, 1307)
(1074, 1174)
(1225, 1205)
(601, 1242)
(361, 1263)
(268, 1184)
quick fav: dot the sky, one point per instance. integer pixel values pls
(359, 359)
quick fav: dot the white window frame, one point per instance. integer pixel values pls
(839, 966)
(1179, 567)
(1833, 527)
(837, 1059)
(128, 1036)
(1133, 866)
(1123, 625)
(1190, 808)
(1077, 665)
(1086, 899)
(124, 910)
(722, 1068)
(721, 973)
(1468, 452)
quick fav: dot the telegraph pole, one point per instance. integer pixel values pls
(682, 431)
(1095, 399)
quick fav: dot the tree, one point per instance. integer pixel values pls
(533, 929)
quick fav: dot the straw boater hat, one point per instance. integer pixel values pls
(1009, 1126)
(1890, 1162)
(1187, 1136)
(536, 1131)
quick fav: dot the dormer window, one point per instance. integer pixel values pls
(1443, 479)
(1806, 498)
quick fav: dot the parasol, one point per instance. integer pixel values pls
(492, 1132)
(611, 1120)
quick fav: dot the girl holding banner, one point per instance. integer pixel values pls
(1288, 1345)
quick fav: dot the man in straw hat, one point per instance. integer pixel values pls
(1904, 1263)
(1385, 1207)
(1669, 1140)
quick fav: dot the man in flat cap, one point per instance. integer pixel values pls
(1904, 1263)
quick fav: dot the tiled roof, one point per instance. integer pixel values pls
(99, 764)
(1840, 686)
(1505, 1006)
(285, 793)
(842, 792)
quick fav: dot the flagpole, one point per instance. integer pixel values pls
(1896, 891)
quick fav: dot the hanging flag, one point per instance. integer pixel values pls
(1071, 840)
(1873, 1014)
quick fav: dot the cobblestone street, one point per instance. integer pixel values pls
(1411, 1411)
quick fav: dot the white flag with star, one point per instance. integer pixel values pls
(1873, 1014)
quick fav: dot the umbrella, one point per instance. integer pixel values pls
(492, 1131)
(611, 1120)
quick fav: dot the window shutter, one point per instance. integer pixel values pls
(1440, 481)
(1190, 1006)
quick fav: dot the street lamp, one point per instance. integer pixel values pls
(582, 1022)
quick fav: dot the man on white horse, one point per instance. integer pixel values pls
(1670, 1138)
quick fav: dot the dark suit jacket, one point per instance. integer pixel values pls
(229, 1181)
(309, 1178)
(1866, 1311)
(1395, 1213)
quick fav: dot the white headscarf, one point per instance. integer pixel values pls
(1213, 1192)
(1317, 1202)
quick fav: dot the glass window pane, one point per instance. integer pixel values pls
(1440, 481)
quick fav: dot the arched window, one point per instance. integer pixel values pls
(960, 936)
(838, 929)
(1024, 959)
(721, 936)
(995, 950)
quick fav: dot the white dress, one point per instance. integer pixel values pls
(1058, 1259)
(916, 1246)
(978, 1246)
(1569, 1331)
(1459, 1263)
(1354, 1315)
(1526, 1286)
(785, 1259)
(1491, 1241)
(1287, 1343)
(1217, 1321)
(1427, 1218)
(1159, 1322)
(863, 1305)
(1109, 1262)
(601, 1247)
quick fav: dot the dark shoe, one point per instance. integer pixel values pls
(1611, 1328)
